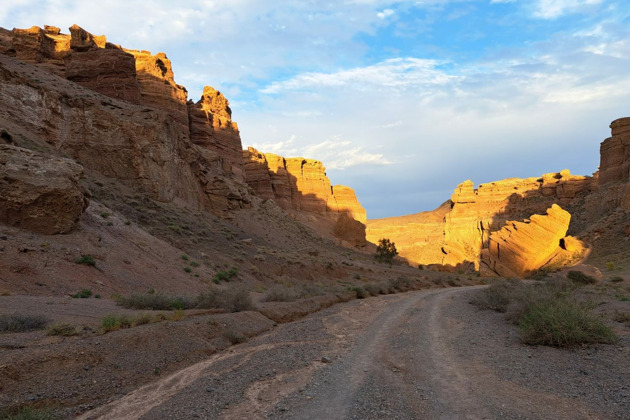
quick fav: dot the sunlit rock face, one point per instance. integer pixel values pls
(519, 248)
(458, 231)
(299, 184)
(39, 192)
(141, 136)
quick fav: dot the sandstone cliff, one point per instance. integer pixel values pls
(142, 131)
(519, 248)
(458, 231)
(299, 184)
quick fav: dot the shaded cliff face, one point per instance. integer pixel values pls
(120, 112)
(299, 184)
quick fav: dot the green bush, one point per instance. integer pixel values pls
(21, 323)
(385, 251)
(581, 278)
(83, 294)
(116, 322)
(86, 259)
(498, 295)
(225, 275)
(360, 292)
(563, 323)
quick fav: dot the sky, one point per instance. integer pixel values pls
(401, 100)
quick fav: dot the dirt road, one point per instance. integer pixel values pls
(420, 355)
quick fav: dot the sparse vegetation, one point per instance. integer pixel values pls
(616, 279)
(225, 275)
(87, 260)
(360, 291)
(83, 294)
(187, 269)
(233, 300)
(581, 278)
(545, 313)
(563, 323)
(279, 294)
(385, 251)
(63, 329)
(22, 323)
(185, 257)
(610, 266)
(234, 337)
(27, 413)
(155, 301)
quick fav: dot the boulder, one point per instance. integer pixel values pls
(519, 248)
(38, 192)
(350, 230)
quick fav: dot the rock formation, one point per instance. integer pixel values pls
(457, 231)
(519, 248)
(299, 184)
(38, 192)
(142, 131)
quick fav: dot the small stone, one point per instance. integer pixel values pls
(209, 389)
(326, 359)
(86, 367)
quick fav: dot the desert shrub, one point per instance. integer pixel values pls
(86, 259)
(27, 413)
(498, 295)
(454, 282)
(116, 322)
(616, 279)
(155, 301)
(563, 323)
(400, 284)
(385, 251)
(233, 300)
(309, 290)
(360, 292)
(21, 323)
(63, 329)
(623, 317)
(187, 269)
(581, 278)
(234, 337)
(225, 275)
(610, 266)
(279, 294)
(83, 294)
(374, 288)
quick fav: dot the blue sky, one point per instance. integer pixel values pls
(401, 100)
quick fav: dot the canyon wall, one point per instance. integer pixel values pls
(299, 184)
(121, 113)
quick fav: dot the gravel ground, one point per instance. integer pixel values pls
(426, 354)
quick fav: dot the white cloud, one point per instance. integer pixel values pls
(551, 9)
(402, 73)
(385, 13)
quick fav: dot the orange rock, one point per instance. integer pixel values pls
(522, 247)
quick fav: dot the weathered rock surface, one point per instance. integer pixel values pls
(519, 248)
(137, 145)
(211, 127)
(457, 232)
(38, 192)
(299, 184)
(143, 139)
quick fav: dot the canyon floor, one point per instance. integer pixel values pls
(421, 354)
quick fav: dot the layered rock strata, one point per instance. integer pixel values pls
(38, 192)
(147, 134)
(299, 184)
(457, 232)
(519, 248)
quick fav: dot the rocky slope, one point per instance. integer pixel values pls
(461, 230)
(120, 113)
